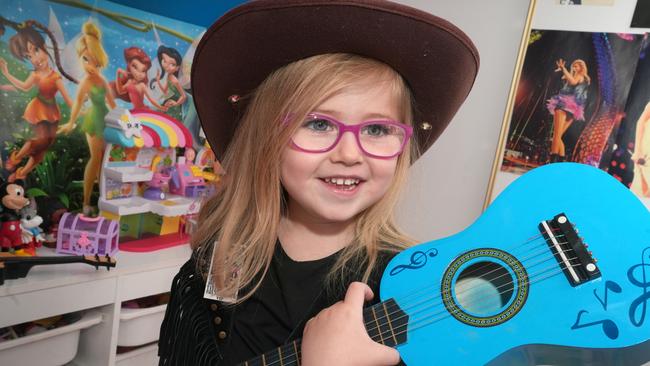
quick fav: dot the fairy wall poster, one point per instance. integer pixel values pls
(570, 100)
(64, 65)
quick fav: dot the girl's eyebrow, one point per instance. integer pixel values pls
(369, 116)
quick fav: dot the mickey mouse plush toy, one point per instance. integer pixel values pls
(12, 199)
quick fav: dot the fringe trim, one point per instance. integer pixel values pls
(186, 334)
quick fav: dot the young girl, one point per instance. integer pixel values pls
(568, 105)
(131, 84)
(316, 154)
(42, 112)
(95, 87)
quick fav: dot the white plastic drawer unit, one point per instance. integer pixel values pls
(140, 326)
(50, 348)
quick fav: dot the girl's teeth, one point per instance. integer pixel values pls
(342, 181)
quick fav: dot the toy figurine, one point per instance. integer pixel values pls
(187, 179)
(50, 210)
(157, 186)
(12, 199)
(30, 222)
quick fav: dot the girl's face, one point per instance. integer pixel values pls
(36, 56)
(138, 70)
(335, 186)
(89, 63)
(168, 64)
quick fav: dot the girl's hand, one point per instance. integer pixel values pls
(66, 128)
(170, 103)
(337, 336)
(560, 65)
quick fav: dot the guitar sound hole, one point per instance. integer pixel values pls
(484, 288)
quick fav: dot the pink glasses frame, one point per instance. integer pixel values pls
(355, 129)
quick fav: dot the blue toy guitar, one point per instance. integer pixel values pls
(561, 257)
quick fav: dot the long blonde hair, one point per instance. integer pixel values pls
(91, 41)
(243, 217)
(585, 72)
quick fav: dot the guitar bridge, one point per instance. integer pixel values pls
(569, 250)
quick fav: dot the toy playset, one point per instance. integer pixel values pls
(144, 185)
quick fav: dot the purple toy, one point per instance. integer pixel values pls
(79, 234)
(155, 186)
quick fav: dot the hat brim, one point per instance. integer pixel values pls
(437, 60)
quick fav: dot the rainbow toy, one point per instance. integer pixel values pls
(145, 128)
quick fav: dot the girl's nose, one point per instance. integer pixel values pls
(347, 151)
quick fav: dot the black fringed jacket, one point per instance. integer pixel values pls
(196, 331)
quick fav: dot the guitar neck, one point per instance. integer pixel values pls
(12, 266)
(43, 260)
(385, 323)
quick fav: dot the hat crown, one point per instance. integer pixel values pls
(436, 59)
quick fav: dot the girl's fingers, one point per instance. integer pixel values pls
(357, 294)
(386, 355)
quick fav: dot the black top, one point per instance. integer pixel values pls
(197, 331)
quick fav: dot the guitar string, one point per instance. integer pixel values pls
(428, 321)
(434, 285)
(406, 307)
(428, 288)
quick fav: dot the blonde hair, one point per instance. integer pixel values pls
(243, 217)
(585, 72)
(91, 41)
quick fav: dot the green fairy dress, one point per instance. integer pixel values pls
(173, 94)
(93, 122)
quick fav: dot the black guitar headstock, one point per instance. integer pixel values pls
(100, 261)
(13, 266)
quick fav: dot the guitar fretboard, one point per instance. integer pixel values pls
(385, 323)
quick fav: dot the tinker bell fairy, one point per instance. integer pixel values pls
(94, 87)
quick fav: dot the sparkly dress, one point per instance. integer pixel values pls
(571, 99)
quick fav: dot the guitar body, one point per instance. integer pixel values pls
(505, 262)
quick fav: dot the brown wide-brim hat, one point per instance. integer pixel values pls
(437, 60)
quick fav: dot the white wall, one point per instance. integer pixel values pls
(448, 183)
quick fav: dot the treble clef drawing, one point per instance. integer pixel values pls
(639, 306)
(418, 260)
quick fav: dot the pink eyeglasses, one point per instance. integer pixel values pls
(381, 139)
